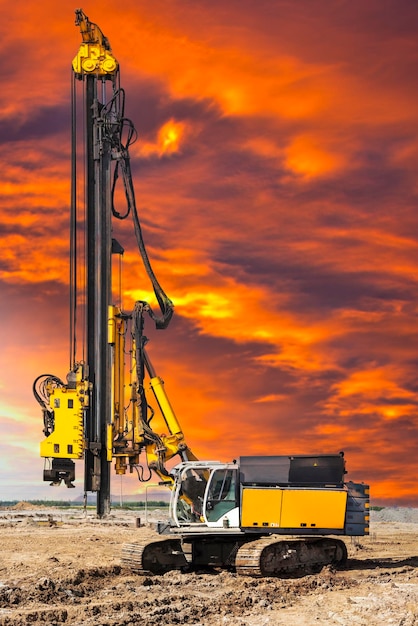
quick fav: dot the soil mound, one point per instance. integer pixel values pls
(25, 506)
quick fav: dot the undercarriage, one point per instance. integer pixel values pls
(267, 556)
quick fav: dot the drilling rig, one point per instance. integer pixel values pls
(222, 515)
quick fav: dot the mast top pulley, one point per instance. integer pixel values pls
(95, 55)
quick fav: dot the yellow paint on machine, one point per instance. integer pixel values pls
(261, 507)
(314, 508)
(67, 439)
(293, 508)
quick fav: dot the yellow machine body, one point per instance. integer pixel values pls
(293, 508)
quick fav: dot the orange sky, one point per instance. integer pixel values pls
(276, 177)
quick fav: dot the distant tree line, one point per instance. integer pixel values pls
(78, 504)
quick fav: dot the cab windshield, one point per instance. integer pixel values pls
(222, 494)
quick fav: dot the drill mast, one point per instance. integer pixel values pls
(89, 417)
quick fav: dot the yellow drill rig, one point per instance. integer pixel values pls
(222, 515)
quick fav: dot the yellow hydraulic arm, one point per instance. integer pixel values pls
(174, 443)
(131, 431)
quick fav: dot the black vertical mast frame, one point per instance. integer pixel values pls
(98, 255)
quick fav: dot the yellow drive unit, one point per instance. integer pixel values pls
(67, 439)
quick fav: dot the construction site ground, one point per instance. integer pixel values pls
(61, 567)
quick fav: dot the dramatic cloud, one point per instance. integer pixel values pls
(276, 182)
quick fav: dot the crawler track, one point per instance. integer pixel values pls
(269, 557)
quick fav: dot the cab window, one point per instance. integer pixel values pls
(222, 496)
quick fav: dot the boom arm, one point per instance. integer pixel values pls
(132, 430)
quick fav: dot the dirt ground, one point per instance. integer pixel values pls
(66, 569)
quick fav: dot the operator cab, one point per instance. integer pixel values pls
(206, 494)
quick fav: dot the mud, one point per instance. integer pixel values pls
(65, 569)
